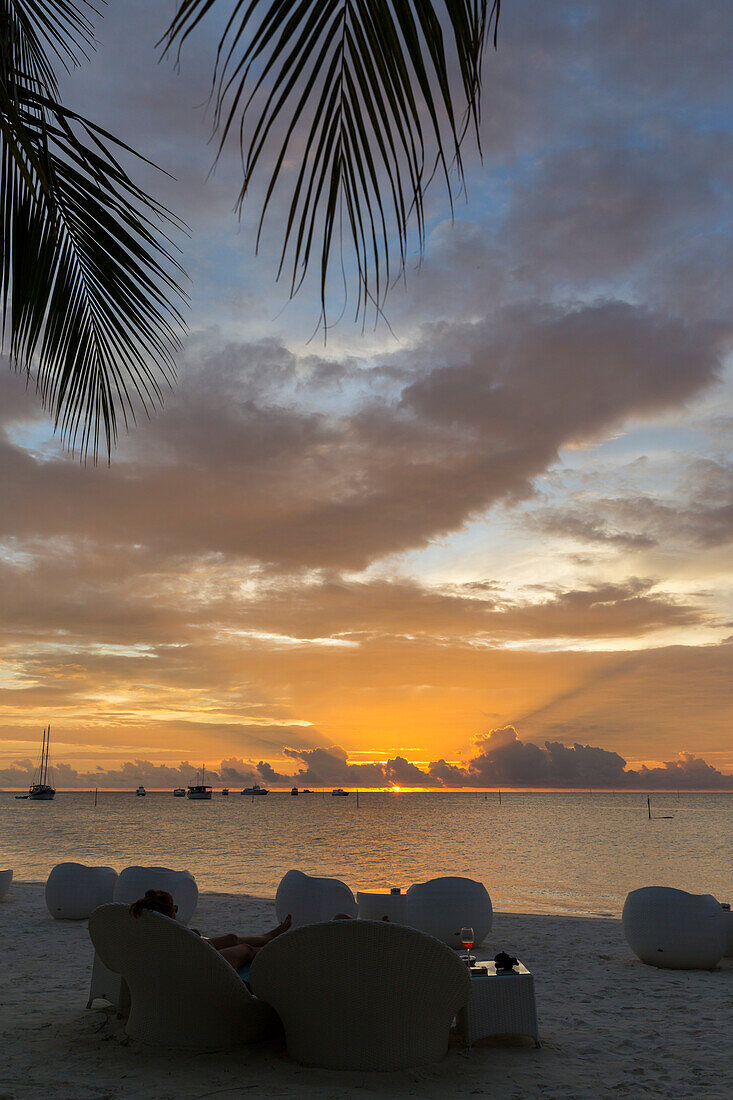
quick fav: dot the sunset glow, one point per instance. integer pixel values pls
(486, 545)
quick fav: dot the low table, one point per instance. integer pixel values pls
(377, 904)
(501, 1003)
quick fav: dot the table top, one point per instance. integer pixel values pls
(490, 971)
(380, 894)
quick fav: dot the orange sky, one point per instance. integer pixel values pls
(511, 507)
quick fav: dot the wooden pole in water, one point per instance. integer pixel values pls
(649, 806)
(95, 796)
(357, 799)
(500, 796)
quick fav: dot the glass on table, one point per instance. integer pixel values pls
(468, 940)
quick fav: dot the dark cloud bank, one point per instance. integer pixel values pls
(502, 760)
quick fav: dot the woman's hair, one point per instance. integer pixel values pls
(159, 901)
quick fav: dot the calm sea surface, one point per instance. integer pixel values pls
(545, 853)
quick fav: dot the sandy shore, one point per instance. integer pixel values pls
(609, 1025)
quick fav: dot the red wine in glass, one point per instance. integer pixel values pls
(467, 939)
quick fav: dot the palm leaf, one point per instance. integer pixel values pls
(364, 88)
(88, 273)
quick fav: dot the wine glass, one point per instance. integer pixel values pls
(467, 939)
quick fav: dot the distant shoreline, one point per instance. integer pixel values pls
(413, 790)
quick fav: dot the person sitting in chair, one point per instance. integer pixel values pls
(238, 951)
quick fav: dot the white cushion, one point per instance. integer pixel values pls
(73, 890)
(134, 881)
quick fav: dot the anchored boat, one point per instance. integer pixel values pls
(41, 790)
(340, 792)
(200, 791)
(141, 792)
(179, 792)
(257, 789)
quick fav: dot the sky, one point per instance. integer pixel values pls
(485, 543)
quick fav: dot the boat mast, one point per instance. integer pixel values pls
(45, 770)
(43, 756)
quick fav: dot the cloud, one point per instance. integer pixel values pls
(226, 472)
(502, 760)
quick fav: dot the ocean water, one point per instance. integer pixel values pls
(577, 853)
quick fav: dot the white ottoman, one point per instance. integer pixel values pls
(670, 928)
(134, 881)
(442, 906)
(378, 904)
(6, 877)
(311, 900)
(74, 891)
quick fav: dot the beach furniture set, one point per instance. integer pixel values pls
(364, 994)
(349, 994)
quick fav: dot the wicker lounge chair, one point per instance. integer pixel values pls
(309, 899)
(671, 928)
(74, 891)
(362, 995)
(134, 881)
(442, 906)
(183, 993)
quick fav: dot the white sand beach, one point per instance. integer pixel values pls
(610, 1026)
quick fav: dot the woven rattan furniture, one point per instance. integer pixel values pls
(134, 881)
(362, 995)
(378, 904)
(182, 992)
(108, 986)
(309, 899)
(502, 1003)
(442, 906)
(73, 891)
(673, 929)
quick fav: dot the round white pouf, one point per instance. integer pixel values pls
(6, 877)
(378, 904)
(134, 881)
(671, 928)
(310, 900)
(442, 906)
(74, 891)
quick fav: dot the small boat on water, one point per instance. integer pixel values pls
(225, 791)
(340, 792)
(294, 791)
(257, 789)
(306, 790)
(141, 792)
(199, 791)
(179, 792)
(41, 790)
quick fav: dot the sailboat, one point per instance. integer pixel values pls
(200, 790)
(42, 791)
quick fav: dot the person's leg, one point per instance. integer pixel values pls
(239, 955)
(229, 940)
(260, 941)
